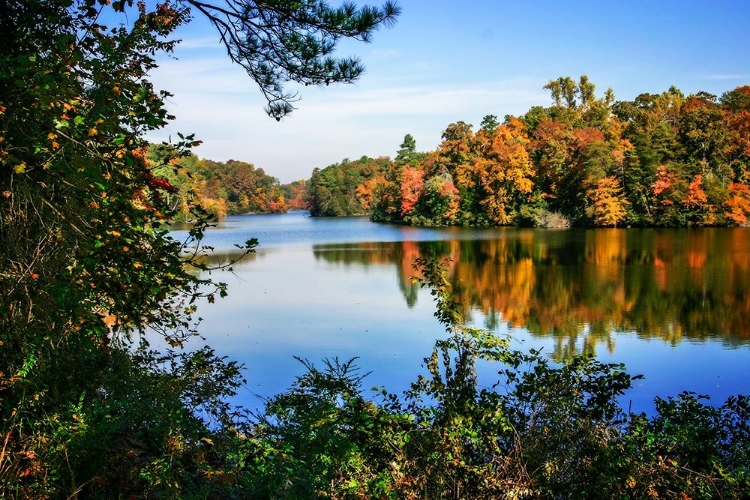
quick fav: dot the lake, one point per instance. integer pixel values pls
(672, 304)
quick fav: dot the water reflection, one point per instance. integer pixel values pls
(580, 287)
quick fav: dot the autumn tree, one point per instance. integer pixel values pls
(563, 91)
(738, 204)
(736, 107)
(294, 192)
(411, 188)
(456, 155)
(505, 173)
(335, 190)
(608, 205)
(660, 160)
(438, 203)
(89, 272)
(408, 174)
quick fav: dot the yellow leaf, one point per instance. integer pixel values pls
(20, 168)
(109, 320)
(93, 131)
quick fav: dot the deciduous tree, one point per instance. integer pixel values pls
(87, 267)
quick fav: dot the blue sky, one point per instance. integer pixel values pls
(446, 61)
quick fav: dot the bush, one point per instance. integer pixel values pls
(540, 431)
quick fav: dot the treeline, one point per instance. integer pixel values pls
(336, 190)
(222, 188)
(660, 160)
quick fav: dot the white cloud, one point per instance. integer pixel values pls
(220, 104)
(385, 53)
(725, 77)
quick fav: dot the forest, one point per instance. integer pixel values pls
(106, 387)
(660, 160)
(220, 188)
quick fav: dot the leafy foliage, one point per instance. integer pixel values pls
(219, 188)
(88, 271)
(541, 430)
(659, 160)
(281, 41)
(333, 191)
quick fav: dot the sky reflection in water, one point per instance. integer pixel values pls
(673, 305)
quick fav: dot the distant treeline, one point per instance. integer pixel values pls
(223, 188)
(660, 160)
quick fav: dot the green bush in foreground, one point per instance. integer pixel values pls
(89, 273)
(541, 431)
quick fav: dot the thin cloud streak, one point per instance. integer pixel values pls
(445, 62)
(221, 106)
(721, 77)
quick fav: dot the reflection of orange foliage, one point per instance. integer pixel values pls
(409, 254)
(614, 279)
(740, 255)
(660, 273)
(608, 253)
(696, 257)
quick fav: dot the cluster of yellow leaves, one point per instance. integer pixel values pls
(608, 202)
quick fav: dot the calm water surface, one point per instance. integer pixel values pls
(673, 305)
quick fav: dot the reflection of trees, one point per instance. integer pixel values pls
(403, 254)
(580, 286)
